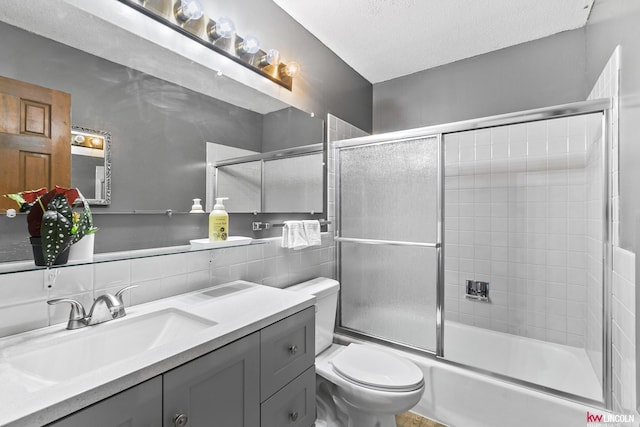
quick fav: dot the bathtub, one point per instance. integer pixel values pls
(460, 397)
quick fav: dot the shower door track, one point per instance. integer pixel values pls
(558, 111)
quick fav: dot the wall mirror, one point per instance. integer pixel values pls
(91, 164)
(161, 112)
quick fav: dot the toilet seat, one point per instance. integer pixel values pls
(377, 369)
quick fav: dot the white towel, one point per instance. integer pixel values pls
(312, 232)
(293, 235)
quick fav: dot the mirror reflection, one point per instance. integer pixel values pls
(91, 164)
(285, 181)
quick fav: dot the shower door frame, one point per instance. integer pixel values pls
(602, 106)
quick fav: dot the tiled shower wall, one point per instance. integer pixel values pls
(23, 296)
(515, 216)
(623, 292)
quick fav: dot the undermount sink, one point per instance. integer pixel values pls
(94, 347)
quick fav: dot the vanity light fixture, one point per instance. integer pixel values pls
(218, 35)
(223, 28)
(187, 10)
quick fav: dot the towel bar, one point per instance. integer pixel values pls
(259, 226)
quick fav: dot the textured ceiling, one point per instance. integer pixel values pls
(385, 39)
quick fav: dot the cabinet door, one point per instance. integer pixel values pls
(220, 389)
(139, 406)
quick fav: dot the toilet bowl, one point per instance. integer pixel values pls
(362, 385)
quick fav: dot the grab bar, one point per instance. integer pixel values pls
(385, 242)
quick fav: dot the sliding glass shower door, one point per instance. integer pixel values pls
(388, 239)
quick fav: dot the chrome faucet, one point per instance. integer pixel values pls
(105, 307)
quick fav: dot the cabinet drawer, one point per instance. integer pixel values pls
(287, 349)
(294, 405)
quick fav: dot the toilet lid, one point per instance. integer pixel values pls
(378, 369)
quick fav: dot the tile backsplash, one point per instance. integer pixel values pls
(23, 296)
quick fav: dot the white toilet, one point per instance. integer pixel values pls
(357, 385)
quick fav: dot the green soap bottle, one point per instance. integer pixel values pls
(218, 221)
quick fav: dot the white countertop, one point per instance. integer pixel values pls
(28, 400)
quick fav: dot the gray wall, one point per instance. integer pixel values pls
(326, 82)
(535, 74)
(289, 128)
(612, 23)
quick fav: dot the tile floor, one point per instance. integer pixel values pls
(409, 419)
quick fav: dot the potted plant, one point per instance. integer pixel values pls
(52, 222)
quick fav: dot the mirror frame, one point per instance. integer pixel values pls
(107, 164)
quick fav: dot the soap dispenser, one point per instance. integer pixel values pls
(197, 207)
(218, 221)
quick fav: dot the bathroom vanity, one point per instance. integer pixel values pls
(239, 354)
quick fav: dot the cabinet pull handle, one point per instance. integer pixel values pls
(180, 420)
(293, 349)
(293, 415)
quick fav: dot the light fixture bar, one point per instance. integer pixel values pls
(219, 35)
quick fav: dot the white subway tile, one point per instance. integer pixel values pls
(110, 274)
(22, 287)
(23, 317)
(70, 280)
(557, 128)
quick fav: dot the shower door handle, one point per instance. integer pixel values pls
(385, 242)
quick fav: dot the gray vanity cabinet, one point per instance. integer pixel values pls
(139, 406)
(264, 379)
(221, 388)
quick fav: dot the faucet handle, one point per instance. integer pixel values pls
(121, 291)
(77, 315)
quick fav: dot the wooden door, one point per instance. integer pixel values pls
(35, 135)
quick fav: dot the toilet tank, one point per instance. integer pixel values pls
(326, 293)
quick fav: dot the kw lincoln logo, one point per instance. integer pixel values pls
(610, 420)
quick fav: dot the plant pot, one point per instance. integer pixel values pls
(38, 256)
(82, 250)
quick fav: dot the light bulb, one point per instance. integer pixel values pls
(291, 69)
(186, 10)
(250, 45)
(271, 58)
(223, 28)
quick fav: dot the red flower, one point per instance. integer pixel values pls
(34, 218)
(32, 196)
